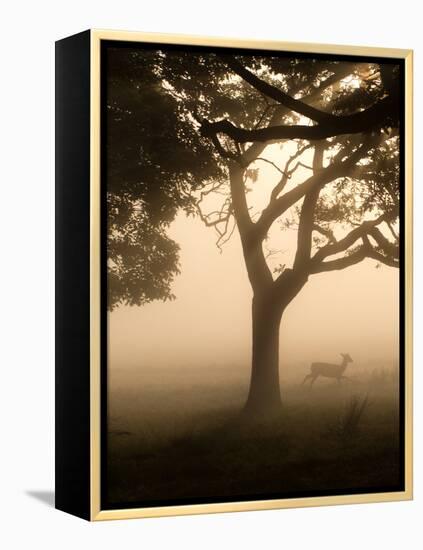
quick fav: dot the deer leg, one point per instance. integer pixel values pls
(307, 376)
(313, 379)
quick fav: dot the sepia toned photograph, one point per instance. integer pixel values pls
(253, 275)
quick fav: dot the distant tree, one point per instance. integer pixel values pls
(204, 131)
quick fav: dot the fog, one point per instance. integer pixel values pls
(179, 374)
(355, 310)
(209, 324)
(178, 371)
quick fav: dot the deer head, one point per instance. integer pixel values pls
(346, 357)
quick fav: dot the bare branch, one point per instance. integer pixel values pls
(303, 166)
(226, 236)
(287, 173)
(214, 188)
(221, 216)
(212, 223)
(272, 163)
(338, 168)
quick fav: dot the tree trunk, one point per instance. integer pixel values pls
(264, 397)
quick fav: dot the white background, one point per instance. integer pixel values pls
(27, 36)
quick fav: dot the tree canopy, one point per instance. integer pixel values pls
(182, 125)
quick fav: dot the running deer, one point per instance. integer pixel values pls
(329, 370)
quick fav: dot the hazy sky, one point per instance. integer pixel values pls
(209, 324)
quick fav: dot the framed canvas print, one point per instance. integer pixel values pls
(233, 275)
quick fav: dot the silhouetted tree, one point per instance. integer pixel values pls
(204, 130)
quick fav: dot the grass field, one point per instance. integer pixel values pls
(173, 438)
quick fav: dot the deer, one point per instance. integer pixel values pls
(329, 370)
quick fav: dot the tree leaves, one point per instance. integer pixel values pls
(158, 160)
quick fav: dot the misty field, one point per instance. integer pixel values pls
(179, 436)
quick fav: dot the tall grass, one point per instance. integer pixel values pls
(348, 423)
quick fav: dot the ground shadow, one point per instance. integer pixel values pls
(46, 497)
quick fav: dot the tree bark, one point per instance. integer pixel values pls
(264, 397)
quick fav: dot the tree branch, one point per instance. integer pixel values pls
(257, 148)
(222, 151)
(287, 173)
(348, 240)
(389, 261)
(336, 169)
(384, 112)
(272, 163)
(325, 232)
(384, 243)
(340, 263)
(277, 94)
(391, 229)
(306, 222)
(368, 228)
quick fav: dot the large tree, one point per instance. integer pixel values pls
(205, 131)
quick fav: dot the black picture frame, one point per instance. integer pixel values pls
(81, 281)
